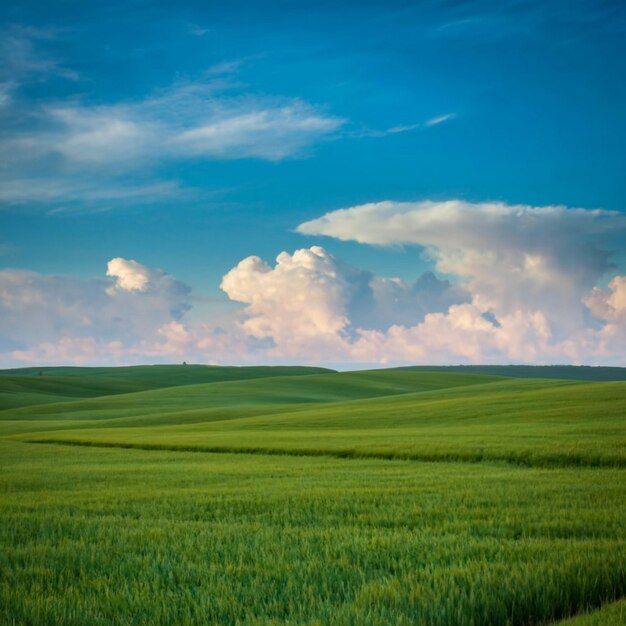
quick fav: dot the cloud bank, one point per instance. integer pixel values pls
(511, 257)
(68, 319)
(311, 303)
(509, 284)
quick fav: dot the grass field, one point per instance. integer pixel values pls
(196, 495)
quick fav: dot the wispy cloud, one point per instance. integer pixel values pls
(440, 119)
(6, 90)
(225, 67)
(198, 31)
(183, 123)
(268, 133)
(66, 195)
(6, 249)
(401, 128)
(87, 146)
(23, 56)
(70, 150)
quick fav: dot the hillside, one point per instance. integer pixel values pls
(256, 496)
(31, 385)
(399, 413)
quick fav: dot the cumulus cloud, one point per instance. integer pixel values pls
(312, 306)
(312, 303)
(301, 300)
(464, 334)
(307, 307)
(47, 311)
(609, 305)
(510, 257)
(532, 273)
(129, 275)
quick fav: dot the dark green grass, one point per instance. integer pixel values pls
(163, 375)
(92, 536)
(223, 400)
(27, 386)
(570, 372)
(611, 614)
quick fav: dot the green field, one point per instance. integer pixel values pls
(207, 495)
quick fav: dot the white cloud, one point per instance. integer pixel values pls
(75, 152)
(609, 305)
(311, 303)
(71, 151)
(308, 307)
(463, 334)
(440, 119)
(99, 136)
(401, 128)
(299, 305)
(182, 123)
(37, 309)
(271, 134)
(129, 275)
(6, 94)
(510, 257)
(531, 272)
(23, 56)
(312, 307)
(88, 194)
(67, 350)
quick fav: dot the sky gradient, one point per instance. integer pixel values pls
(349, 184)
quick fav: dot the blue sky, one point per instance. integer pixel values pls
(186, 137)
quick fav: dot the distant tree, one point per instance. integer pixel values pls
(184, 362)
(40, 373)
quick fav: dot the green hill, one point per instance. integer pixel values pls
(26, 386)
(196, 495)
(398, 413)
(529, 422)
(568, 372)
(235, 399)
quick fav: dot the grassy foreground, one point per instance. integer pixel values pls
(338, 517)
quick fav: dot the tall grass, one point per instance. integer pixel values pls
(527, 422)
(106, 536)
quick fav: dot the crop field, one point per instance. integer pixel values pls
(264, 496)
